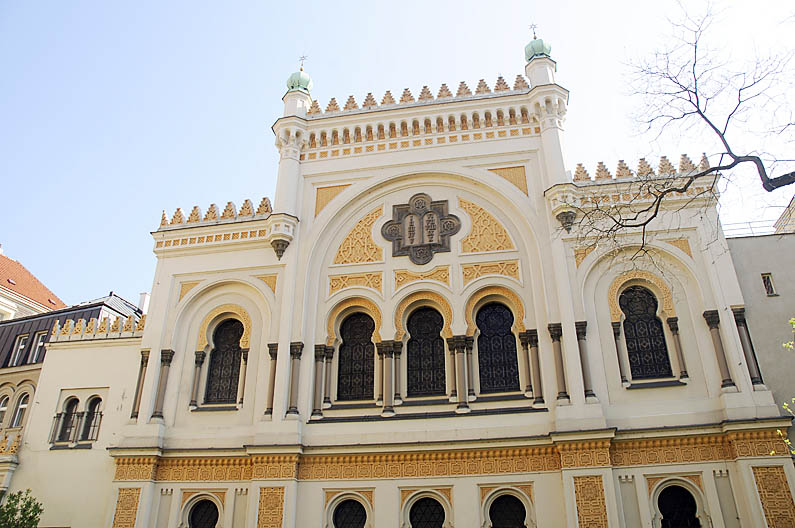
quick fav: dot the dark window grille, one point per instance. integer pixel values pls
(425, 354)
(767, 282)
(91, 421)
(68, 422)
(426, 513)
(507, 512)
(204, 514)
(678, 508)
(497, 360)
(643, 331)
(355, 369)
(224, 370)
(349, 514)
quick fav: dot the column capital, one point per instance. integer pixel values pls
(555, 331)
(166, 355)
(616, 329)
(712, 317)
(320, 352)
(144, 357)
(529, 338)
(273, 350)
(580, 326)
(386, 348)
(673, 324)
(329, 352)
(296, 347)
(397, 348)
(739, 315)
(244, 354)
(200, 355)
(456, 342)
(469, 343)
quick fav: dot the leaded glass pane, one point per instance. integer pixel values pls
(426, 513)
(349, 514)
(425, 353)
(203, 515)
(355, 369)
(507, 512)
(678, 508)
(643, 331)
(497, 361)
(224, 369)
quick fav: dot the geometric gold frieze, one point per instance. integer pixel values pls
(367, 493)
(126, 508)
(774, 492)
(405, 493)
(359, 246)
(486, 234)
(366, 280)
(589, 495)
(515, 175)
(584, 454)
(439, 273)
(239, 311)
(507, 268)
(527, 489)
(695, 479)
(270, 512)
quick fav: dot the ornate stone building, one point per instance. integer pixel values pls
(417, 335)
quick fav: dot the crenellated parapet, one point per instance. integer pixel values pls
(214, 217)
(626, 187)
(94, 329)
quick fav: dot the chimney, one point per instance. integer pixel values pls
(143, 302)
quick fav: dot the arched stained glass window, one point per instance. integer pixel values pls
(349, 514)
(643, 331)
(497, 360)
(507, 512)
(356, 363)
(224, 369)
(204, 514)
(678, 508)
(425, 354)
(426, 513)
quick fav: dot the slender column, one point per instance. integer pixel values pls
(458, 344)
(535, 365)
(673, 324)
(380, 376)
(166, 356)
(397, 348)
(317, 395)
(712, 317)
(296, 347)
(453, 369)
(273, 349)
(389, 392)
(556, 332)
(327, 387)
(586, 370)
(197, 370)
(241, 390)
(748, 347)
(524, 362)
(139, 387)
(621, 354)
(469, 344)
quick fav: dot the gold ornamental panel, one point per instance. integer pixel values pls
(612, 293)
(359, 246)
(235, 309)
(502, 293)
(270, 513)
(435, 300)
(589, 494)
(361, 303)
(126, 508)
(486, 234)
(774, 492)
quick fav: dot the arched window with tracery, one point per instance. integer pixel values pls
(68, 420)
(678, 508)
(426, 513)
(203, 514)
(224, 368)
(425, 353)
(356, 363)
(497, 359)
(91, 420)
(349, 514)
(643, 331)
(507, 512)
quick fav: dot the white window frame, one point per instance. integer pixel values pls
(38, 346)
(19, 411)
(4, 401)
(769, 277)
(19, 347)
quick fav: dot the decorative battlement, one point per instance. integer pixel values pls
(228, 215)
(644, 171)
(81, 330)
(425, 97)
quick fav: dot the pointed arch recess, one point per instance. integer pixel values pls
(436, 301)
(226, 308)
(503, 294)
(365, 305)
(657, 282)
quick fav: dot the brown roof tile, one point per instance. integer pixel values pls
(15, 277)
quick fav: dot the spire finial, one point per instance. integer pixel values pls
(533, 27)
(301, 59)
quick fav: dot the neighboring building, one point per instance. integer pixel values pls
(21, 293)
(765, 269)
(22, 350)
(413, 338)
(786, 222)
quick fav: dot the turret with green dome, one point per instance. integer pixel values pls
(536, 48)
(299, 81)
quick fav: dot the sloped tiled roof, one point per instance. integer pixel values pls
(15, 277)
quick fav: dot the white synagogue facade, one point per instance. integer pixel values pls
(415, 334)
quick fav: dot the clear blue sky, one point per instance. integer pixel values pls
(111, 112)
